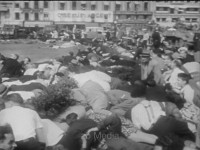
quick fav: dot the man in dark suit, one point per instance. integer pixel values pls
(11, 67)
(156, 38)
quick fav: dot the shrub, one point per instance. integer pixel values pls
(56, 100)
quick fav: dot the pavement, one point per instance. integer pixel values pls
(36, 51)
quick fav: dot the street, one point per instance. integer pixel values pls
(36, 51)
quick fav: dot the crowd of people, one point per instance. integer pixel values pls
(144, 98)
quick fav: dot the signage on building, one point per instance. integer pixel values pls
(83, 16)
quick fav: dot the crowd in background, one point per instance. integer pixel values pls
(138, 93)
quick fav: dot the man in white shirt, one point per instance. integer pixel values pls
(145, 39)
(151, 118)
(25, 123)
(186, 91)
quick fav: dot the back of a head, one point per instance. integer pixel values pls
(70, 118)
(16, 98)
(177, 63)
(6, 129)
(138, 89)
(184, 77)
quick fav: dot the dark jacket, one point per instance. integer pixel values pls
(11, 68)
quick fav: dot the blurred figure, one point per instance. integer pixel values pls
(156, 38)
(7, 141)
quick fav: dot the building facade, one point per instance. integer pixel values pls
(97, 13)
(166, 13)
(90, 13)
(5, 11)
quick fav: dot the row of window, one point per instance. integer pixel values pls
(178, 1)
(36, 16)
(131, 17)
(172, 9)
(46, 16)
(176, 19)
(83, 6)
(36, 4)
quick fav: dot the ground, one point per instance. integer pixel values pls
(36, 51)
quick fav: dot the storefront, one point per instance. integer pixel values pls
(82, 19)
(37, 23)
(135, 24)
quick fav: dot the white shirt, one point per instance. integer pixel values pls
(192, 67)
(52, 132)
(146, 36)
(30, 71)
(95, 76)
(188, 93)
(145, 120)
(24, 94)
(18, 82)
(173, 80)
(23, 121)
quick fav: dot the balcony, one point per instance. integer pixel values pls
(133, 12)
(31, 10)
(177, 2)
(133, 21)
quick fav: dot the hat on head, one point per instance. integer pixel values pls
(3, 88)
(60, 74)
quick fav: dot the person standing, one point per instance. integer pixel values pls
(156, 38)
(145, 39)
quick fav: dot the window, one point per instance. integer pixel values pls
(46, 16)
(118, 7)
(171, 11)
(145, 6)
(128, 17)
(73, 5)
(17, 16)
(16, 5)
(36, 5)
(145, 17)
(136, 7)
(105, 16)
(192, 9)
(26, 4)
(83, 6)
(165, 9)
(93, 7)
(62, 6)
(26, 16)
(46, 4)
(106, 7)
(157, 8)
(187, 19)
(174, 19)
(128, 6)
(164, 19)
(194, 19)
(36, 16)
(158, 19)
